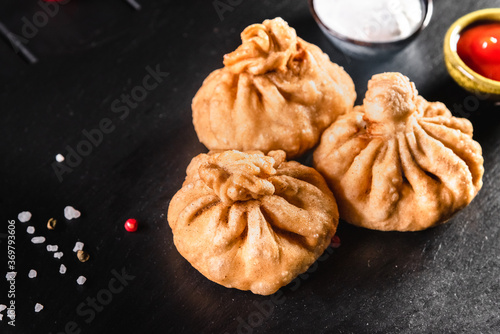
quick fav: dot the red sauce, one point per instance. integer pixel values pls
(479, 48)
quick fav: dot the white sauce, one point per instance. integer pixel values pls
(371, 20)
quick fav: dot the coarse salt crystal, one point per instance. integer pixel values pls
(81, 280)
(11, 275)
(24, 216)
(62, 269)
(38, 307)
(78, 246)
(59, 158)
(2, 307)
(52, 248)
(30, 230)
(71, 213)
(38, 240)
(32, 273)
(58, 255)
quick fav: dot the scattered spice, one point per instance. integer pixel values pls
(78, 246)
(24, 216)
(59, 157)
(83, 256)
(335, 241)
(32, 273)
(51, 224)
(11, 275)
(52, 248)
(71, 213)
(131, 225)
(81, 280)
(38, 240)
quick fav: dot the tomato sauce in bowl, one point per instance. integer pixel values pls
(479, 48)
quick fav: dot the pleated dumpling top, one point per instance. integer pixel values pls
(399, 162)
(275, 92)
(252, 221)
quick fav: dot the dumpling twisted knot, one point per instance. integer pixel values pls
(265, 47)
(237, 176)
(390, 98)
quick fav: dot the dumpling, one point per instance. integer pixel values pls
(399, 162)
(251, 221)
(276, 91)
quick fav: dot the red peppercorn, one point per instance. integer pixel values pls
(131, 225)
(335, 241)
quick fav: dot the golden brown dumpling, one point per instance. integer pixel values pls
(251, 221)
(276, 91)
(399, 162)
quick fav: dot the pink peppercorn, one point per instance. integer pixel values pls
(335, 241)
(131, 225)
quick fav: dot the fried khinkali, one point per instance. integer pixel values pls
(276, 91)
(399, 162)
(251, 221)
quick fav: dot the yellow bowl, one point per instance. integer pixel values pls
(461, 73)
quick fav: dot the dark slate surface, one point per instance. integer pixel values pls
(443, 280)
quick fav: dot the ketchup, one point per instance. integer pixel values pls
(479, 48)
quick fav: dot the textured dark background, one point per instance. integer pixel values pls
(443, 280)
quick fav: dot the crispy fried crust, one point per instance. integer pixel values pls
(251, 221)
(276, 91)
(399, 162)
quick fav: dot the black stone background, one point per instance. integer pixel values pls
(443, 280)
